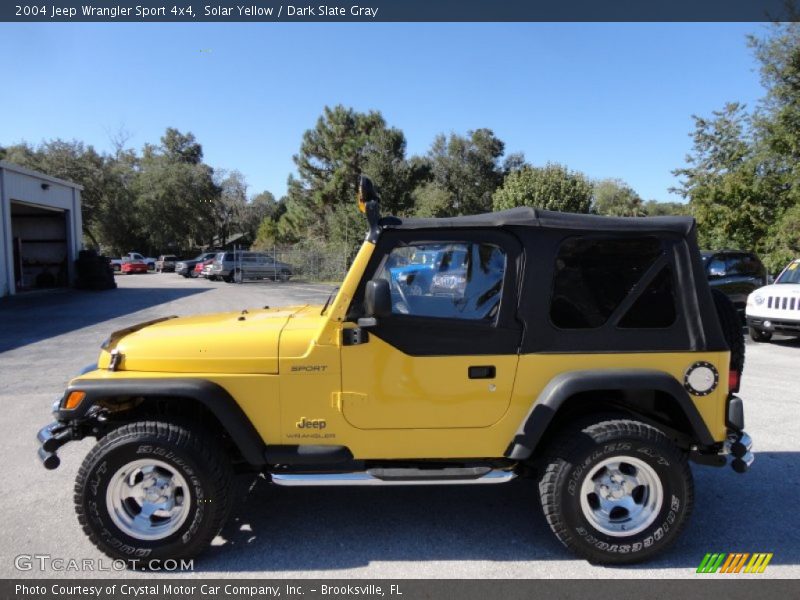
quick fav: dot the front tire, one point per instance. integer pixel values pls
(152, 491)
(616, 492)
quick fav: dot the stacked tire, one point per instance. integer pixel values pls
(94, 272)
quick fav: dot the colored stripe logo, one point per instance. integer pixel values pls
(735, 562)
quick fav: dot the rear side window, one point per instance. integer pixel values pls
(593, 277)
(744, 264)
(655, 307)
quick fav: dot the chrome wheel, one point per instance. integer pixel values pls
(621, 496)
(148, 499)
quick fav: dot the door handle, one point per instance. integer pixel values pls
(482, 372)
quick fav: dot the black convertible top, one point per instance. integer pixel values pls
(525, 216)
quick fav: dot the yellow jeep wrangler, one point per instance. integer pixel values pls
(587, 352)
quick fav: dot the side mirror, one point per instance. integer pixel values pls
(377, 299)
(369, 204)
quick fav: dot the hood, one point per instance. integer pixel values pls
(778, 289)
(233, 342)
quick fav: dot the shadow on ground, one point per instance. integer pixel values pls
(27, 319)
(307, 529)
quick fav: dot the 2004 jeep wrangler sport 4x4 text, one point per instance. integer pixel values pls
(585, 351)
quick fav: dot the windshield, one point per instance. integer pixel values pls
(791, 274)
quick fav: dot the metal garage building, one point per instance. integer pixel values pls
(40, 230)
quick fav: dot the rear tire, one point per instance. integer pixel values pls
(153, 491)
(758, 335)
(284, 276)
(616, 492)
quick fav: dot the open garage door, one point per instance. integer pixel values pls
(39, 236)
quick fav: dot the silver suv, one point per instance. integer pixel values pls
(239, 266)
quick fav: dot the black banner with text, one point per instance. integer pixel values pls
(399, 11)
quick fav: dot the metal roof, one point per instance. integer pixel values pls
(8, 166)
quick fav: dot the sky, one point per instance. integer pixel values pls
(610, 100)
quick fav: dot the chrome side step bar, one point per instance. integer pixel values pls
(396, 477)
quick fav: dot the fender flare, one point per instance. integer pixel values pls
(211, 395)
(566, 385)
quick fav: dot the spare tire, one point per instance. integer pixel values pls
(731, 326)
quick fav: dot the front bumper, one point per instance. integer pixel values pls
(51, 437)
(775, 325)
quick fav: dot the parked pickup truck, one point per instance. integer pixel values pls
(116, 263)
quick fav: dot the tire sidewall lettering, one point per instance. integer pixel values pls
(97, 511)
(657, 532)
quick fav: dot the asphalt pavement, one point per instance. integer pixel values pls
(400, 532)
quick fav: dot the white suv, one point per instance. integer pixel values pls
(776, 308)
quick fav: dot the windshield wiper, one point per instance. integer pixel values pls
(328, 301)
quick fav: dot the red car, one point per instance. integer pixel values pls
(133, 266)
(198, 268)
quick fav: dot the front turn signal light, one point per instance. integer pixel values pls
(74, 399)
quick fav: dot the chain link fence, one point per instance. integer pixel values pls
(320, 263)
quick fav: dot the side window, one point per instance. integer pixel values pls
(452, 280)
(734, 265)
(593, 276)
(746, 265)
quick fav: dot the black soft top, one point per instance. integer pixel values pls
(525, 216)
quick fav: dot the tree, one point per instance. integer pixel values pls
(783, 243)
(230, 210)
(343, 144)
(552, 187)
(654, 208)
(176, 197)
(742, 178)
(432, 201)
(614, 197)
(468, 169)
(261, 208)
(181, 147)
(729, 193)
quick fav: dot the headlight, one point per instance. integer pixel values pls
(758, 299)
